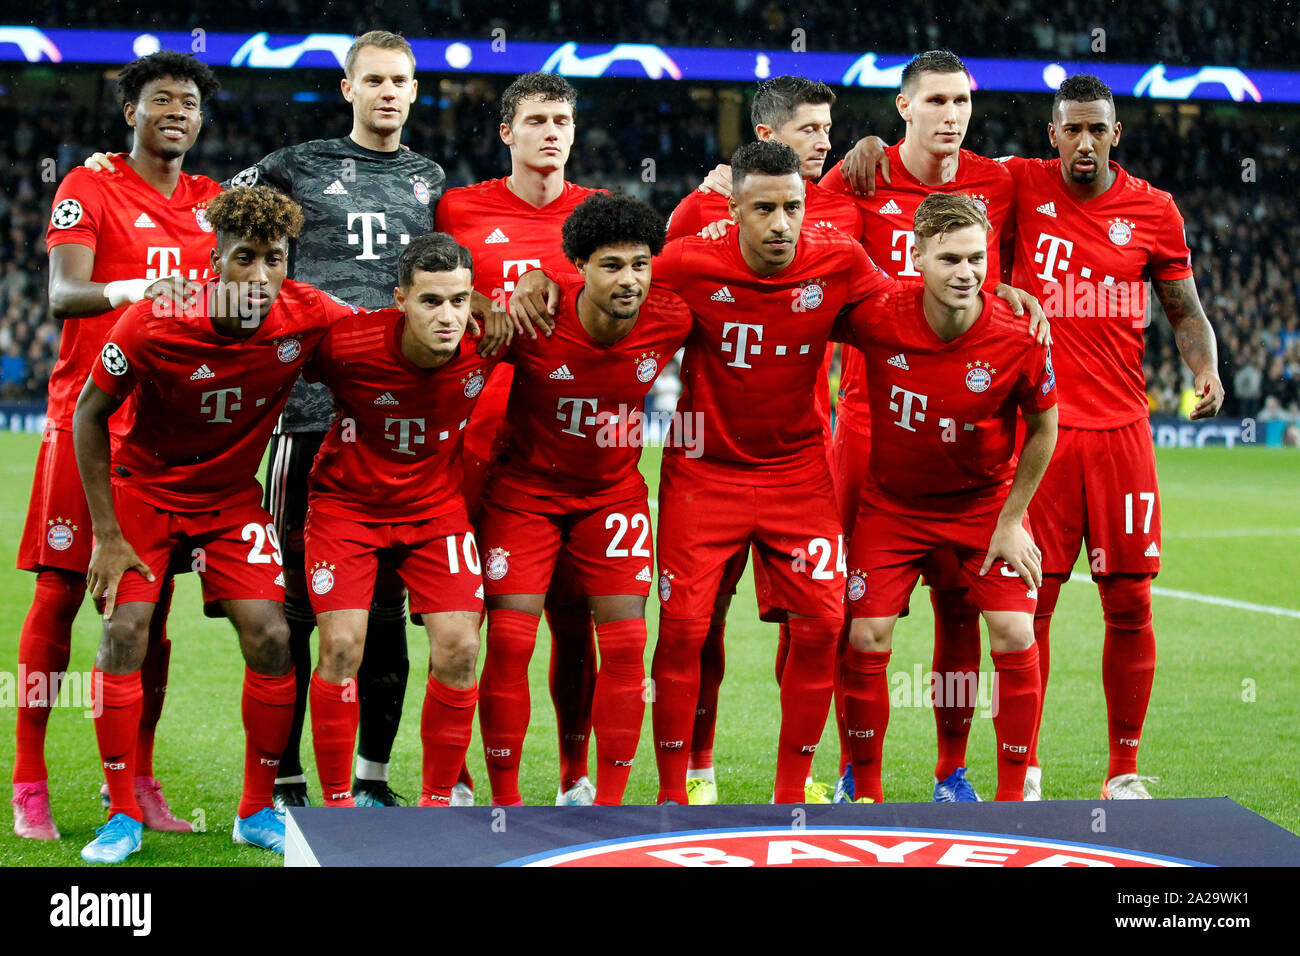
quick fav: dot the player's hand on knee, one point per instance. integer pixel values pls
(717, 181)
(1014, 545)
(100, 163)
(859, 166)
(111, 557)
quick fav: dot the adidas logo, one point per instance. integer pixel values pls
(562, 374)
(722, 295)
(643, 574)
(899, 361)
(386, 399)
(1152, 551)
(144, 222)
(479, 593)
(497, 236)
(279, 579)
(1048, 209)
(890, 208)
(202, 372)
(335, 189)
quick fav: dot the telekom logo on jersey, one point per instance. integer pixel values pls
(165, 261)
(371, 225)
(1077, 292)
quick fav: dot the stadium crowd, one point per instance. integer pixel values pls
(1218, 31)
(1230, 176)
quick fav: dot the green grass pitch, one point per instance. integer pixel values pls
(1224, 718)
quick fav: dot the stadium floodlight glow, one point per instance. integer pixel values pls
(869, 70)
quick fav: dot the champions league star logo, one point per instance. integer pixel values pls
(66, 214)
(114, 359)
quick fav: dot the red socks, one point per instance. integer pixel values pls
(713, 664)
(676, 687)
(503, 699)
(956, 666)
(267, 708)
(807, 683)
(43, 649)
(1015, 700)
(117, 698)
(866, 716)
(1128, 665)
(335, 712)
(446, 725)
(619, 705)
(572, 681)
(153, 680)
(1048, 594)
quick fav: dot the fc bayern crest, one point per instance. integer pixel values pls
(498, 565)
(857, 586)
(66, 214)
(980, 203)
(322, 581)
(474, 385)
(288, 350)
(811, 296)
(114, 359)
(647, 369)
(1120, 232)
(201, 217)
(665, 587)
(978, 379)
(422, 191)
(59, 536)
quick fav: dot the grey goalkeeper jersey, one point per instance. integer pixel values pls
(362, 207)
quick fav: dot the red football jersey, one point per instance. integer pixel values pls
(507, 237)
(887, 233)
(135, 233)
(205, 404)
(945, 413)
(393, 452)
(823, 210)
(576, 415)
(753, 359)
(1088, 263)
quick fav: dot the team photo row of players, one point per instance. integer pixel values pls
(467, 475)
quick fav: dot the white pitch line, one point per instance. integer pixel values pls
(1210, 599)
(1235, 533)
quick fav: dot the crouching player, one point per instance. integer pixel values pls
(948, 369)
(205, 387)
(387, 481)
(569, 479)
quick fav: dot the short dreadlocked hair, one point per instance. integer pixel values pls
(255, 212)
(606, 219)
(132, 78)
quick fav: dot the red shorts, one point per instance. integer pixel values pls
(57, 533)
(889, 551)
(1101, 488)
(436, 559)
(851, 455)
(795, 530)
(235, 550)
(609, 548)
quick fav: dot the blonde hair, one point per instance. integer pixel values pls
(941, 212)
